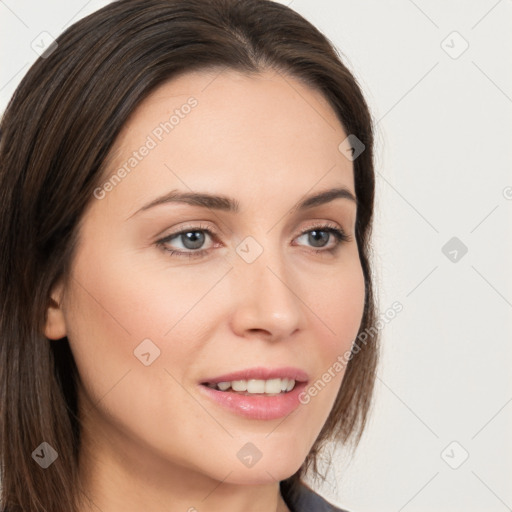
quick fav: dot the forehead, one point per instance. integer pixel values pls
(228, 130)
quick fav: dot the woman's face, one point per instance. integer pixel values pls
(245, 297)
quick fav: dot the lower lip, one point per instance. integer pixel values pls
(257, 407)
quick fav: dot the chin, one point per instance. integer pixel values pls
(275, 467)
(264, 475)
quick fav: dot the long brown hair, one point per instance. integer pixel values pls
(55, 137)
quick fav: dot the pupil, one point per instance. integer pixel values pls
(323, 235)
(193, 239)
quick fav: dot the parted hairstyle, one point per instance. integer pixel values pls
(55, 137)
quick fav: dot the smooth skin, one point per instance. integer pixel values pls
(151, 440)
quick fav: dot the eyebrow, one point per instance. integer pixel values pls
(227, 204)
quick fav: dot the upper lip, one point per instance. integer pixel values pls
(260, 373)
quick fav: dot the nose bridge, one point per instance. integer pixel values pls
(266, 299)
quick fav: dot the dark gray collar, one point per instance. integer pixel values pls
(306, 500)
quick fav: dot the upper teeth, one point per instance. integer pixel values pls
(257, 386)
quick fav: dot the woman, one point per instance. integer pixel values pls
(187, 197)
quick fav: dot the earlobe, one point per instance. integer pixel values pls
(55, 325)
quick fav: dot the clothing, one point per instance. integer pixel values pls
(307, 500)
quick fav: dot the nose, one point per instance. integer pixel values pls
(265, 303)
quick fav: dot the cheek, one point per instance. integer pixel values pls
(337, 305)
(119, 309)
(120, 319)
(337, 300)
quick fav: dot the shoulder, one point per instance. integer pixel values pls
(307, 500)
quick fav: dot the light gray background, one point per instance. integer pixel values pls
(444, 157)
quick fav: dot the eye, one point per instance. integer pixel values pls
(193, 239)
(320, 235)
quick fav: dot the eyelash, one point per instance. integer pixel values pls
(338, 234)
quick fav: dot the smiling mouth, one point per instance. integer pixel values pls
(269, 387)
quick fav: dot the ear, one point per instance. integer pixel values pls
(55, 326)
